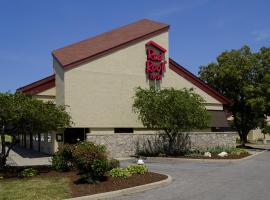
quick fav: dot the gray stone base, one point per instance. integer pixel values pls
(125, 145)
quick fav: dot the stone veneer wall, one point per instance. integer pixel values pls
(124, 145)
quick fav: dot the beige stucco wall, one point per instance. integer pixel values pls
(47, 95)
(103, 131)
(100, 93)
(49, 92)
(60, 83)
(213, 106)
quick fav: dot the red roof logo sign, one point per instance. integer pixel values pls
(155, 64)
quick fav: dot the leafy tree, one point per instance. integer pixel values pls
(9, 113)
(171, 111)
(243, 77)
(26, 115)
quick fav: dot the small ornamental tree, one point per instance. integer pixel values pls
(170, 111)
(24, 114)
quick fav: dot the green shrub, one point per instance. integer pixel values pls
(150, 147)
(113, 163)
(120, 172)
(91, 161)
(159, 145)
(229, 150)
(238, 151)
(59, 163)
(30, 172)
(193, 152)
(99, 167)
(62, 160)
(137, 169)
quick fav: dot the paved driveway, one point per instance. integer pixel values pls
(241, 180)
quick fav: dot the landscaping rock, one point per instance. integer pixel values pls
(140, 162)
(223, 154)
(207, 154)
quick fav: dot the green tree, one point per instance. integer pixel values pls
(170, 111)
(243, 77)
(265, 130)
(26, 115)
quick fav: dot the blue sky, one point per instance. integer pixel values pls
(200, 30)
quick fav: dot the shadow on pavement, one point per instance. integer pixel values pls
(256, 147)
(27, 153)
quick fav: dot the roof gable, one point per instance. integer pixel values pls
(38, 86)
(197, 82)
(49, 82)
(80, 52)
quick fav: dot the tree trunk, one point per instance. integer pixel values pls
(3, 143)
(243, 138)
(3, 149)
(3, 161)
(170, 147)
(31, 140)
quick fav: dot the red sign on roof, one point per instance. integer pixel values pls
(155, 64)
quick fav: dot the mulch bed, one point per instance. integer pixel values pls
(112, 183)
(215, 156)
(76, 190)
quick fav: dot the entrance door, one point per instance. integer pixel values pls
(74, 135)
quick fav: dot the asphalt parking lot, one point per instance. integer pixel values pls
(198, 180)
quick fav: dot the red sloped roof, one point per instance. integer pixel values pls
(196, 81)
(75, 54)
(38, 86)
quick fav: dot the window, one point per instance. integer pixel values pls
(123, 130)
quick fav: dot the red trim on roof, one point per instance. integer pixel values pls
(156, 45)
(38, 86)
(196, 81)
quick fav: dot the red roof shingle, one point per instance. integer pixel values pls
(85, 50)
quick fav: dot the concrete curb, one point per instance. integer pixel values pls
(205, 160)
(126, 191)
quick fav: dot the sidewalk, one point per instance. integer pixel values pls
(24, 157)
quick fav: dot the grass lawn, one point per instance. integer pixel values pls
(35, 188)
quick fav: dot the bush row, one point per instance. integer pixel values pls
(155, 148)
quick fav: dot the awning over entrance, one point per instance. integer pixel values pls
(218, 118)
